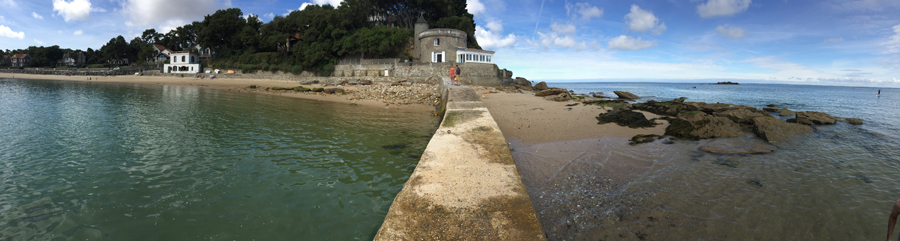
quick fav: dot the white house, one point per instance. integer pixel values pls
(183, 62)
(464, 55)
(162, 53)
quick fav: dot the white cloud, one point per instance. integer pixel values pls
(583, 10)
(270, 16)
(640, 20)
(302, 6)
(563, 29)
(833, 40)
(627, 43)
(37, 16)
(7, 32)
(491, 38)
(722, 8)
(8, 3)
(474, 7)
(78, 32)
(165, 14)
(39, 42)
(731, 32)
(74, 10)
(893, 44)
(565, 42)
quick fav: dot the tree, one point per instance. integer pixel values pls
(150, 36)
(218, 31)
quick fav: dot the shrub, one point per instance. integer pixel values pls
(296, 69)
(327, 70)
(253, 86)
(248, 69)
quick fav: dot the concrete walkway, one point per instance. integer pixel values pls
(466, 186)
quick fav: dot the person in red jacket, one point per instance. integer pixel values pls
(452, 75)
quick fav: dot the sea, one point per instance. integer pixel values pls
(107, 161)
(838, 183)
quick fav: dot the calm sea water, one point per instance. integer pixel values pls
(92, 161)
(836, 184)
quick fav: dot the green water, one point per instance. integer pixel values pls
(91, 161)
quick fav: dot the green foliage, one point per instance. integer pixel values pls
(253, 86)
(327, 70)
(297, 69)
(278, 88)
(318, 89)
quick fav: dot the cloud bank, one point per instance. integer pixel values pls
(722, 8)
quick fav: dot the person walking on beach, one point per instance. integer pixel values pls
(458, 72)
(892, 220)
(452, 75)
(879, 92)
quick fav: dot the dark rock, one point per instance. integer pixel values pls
(334, 91)
(597, 94)
(541, 86)
(523, 82)
(609, 103)
(813, 118)
(726, 162)
(699, 125)
(625, 117)
(679, 100)
(774, 130)
(664, 108)
(626, 95)
(772, 105)
(853, 121)
(770, 109)
(755, 182)
(737, 147)
(365, 82)
(309, 82)
(562, 97)
(554, 91)
(786, 112)
(318, 89)
(641, 139)
(740, 115)
(864, 178)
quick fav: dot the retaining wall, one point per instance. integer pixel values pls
(466, 186)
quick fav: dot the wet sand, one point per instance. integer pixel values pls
(230, 84)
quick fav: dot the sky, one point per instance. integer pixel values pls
(830, 42)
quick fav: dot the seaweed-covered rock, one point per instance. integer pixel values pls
(770, 109)
(740, 115)
(774, 130)
(333, 91)
(549, 92)
(669, 108)
(641, 139)
(625, 117)
(626, 95)
(559, 98)
(540, 86)
(853, 121)
(813, 118)
(785, 112)
(609, 103)
(679, 100)
(699, 125)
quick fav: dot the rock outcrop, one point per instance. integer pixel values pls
(549, 92)
(853, 121)
(774, 130)
(699, 125)
(741, 115)
(813, 118)
(785, 112)
(540, 86)
(625, 117)
(626, 95)
(770, 109)
(560, 97)
(523, 82)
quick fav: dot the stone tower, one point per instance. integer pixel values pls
(421, 26)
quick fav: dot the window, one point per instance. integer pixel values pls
(192, 59)
(481, 58)
(488, 59)
(437, 42)
(182, 58)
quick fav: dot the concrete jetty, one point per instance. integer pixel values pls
(466, 186)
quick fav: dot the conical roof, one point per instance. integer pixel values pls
(421, 19)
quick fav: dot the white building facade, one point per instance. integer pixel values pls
(464, 55)
(183, 63)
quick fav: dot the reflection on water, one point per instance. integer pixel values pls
(123, 162)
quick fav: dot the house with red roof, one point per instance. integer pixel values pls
(162, 53)
(19, 60)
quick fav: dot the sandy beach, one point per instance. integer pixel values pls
(239, 85)
(533, 120)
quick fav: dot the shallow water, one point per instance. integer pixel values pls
(836, 184)
(142, 162)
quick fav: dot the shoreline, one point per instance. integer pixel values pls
(237, 85)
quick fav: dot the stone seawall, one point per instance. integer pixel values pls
(466, 186)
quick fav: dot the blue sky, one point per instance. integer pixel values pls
(843, 42)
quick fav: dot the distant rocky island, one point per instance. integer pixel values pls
(727, 83)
